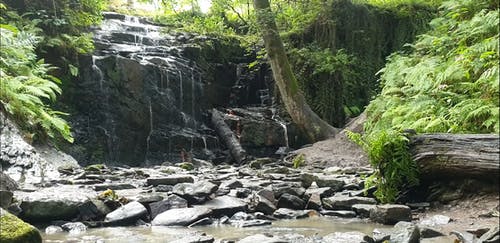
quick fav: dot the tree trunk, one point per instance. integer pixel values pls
(309, 122)
(457, 155)
(228, 138)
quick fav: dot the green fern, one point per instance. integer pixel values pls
(26, 86)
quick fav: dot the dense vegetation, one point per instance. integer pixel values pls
(34, 31)
(446, 82)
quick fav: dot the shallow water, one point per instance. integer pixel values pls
(308, 227)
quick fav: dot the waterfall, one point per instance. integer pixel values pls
(97, 70)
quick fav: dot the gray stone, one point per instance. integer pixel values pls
(314, 202)
(240, 216)
(52, 229)
(381, 235)
(285, 213)
(113, 186)
(339, 213)
(390, 213)
(259, 162)
(170, 180)
(263, 205)
(202, 222)
(267, 194)
(243, 192)
(181, 216)
(250, 223)
(345, 202)
(464, 237)
(195, 192)
(322, 192)
(129, 212)
(93, 209)
(7, 183)
(261, 238)
(435, 220)
(277, 170)
(5, 198)
(363, 210)
(427, 232)
(290, 201)
(493, 235)
(195, 239)
(290, 188)
(172, 201)
(348, 237)
(225, 205)
(333, 182)
(74, 227)
(54, 203)
(405, 232)
(232, 184)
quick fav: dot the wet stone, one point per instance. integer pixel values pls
(170, 180)
(74, 227)
(172, 201)
(345, 202)
(363, 210)
(181, 216)
(290, 201)
(114, 186)
(339, 213)
(251, 223)
(390, 213)
(285, 213)
(405, 232)
(348, 237)
(127, 213)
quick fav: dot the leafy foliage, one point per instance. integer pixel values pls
(26, 86)
(447, 82)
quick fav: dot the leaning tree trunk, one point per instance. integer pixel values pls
(237, 152)
(457, 155)
(309, 122)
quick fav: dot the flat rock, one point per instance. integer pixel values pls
(195, 239)
(225, 205)
(348, 237)
(172, 201)
(129, 212)
(195, 192)
(181, 216)
(436, 220)
(53, 203)
(363, 210)
(345, 202)
(339, 213)
(285, 213)
(390, 213)
(113, 186)
(170, 180)
(261, 238)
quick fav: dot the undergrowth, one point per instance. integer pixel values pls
(447, 82)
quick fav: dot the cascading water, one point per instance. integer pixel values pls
(136, 117)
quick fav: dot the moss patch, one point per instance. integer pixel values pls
(14, 230)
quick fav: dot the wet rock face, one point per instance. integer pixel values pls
(142, 96)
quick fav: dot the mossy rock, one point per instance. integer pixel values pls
(186, 165)
(14, 230)
(95, 168)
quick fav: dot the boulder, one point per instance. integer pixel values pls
(181, 216)
(263, 205)
(390, 213)
(127, 213)
(290, 201)
(195, 193)
(348, 237)
(405, 232)
(53, 229)
(170, 180)
(381, 235)
(427, 232)
(172, 201)
(7, 183)
(14, 230)
(345, 202)
(225, 205)
(333, 182)
(5, 198)
(290, 188)
(54, 203)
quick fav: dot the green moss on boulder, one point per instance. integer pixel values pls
(14, 230)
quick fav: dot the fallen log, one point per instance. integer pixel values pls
(457, 155)
(228, 137)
